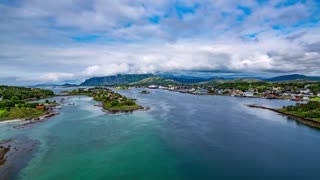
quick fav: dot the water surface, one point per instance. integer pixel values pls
(182, 137)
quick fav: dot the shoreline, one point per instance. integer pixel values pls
(41, 118)
(12, 121)
(305, 121)
(35, 121)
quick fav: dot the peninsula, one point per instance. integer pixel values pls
(15, 103)
(305, 113)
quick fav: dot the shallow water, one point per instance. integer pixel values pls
(182, 137)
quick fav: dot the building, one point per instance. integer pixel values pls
(305, 98)
(237, 93)
(318, 94)
(201, 91)
(295, 97)
(305, 91)
(192, 90)
(1, 98)
(152, 87)
(41, 106)
(248, 94)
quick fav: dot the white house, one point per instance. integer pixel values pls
(152, 87)
(318, 94)
(192, 90)
(305, 98)
(248, 93)
(201, 91)
(305, 91)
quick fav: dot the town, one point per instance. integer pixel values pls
(297, 91)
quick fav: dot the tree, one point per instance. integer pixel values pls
(15, 98)
(114, 103)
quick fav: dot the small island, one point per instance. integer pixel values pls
(145, 92)
(110, 100)
(15, 103)
(305, 113)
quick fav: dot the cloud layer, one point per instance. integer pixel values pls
(61, 40)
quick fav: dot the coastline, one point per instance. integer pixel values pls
(305, 121)
(38, 120)
(41, 118)
(12, 121)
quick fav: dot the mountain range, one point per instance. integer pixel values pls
(148, 79)
(293, 77)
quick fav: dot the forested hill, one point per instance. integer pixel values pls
(23, 93)
(144, 79)
(294, 77)
(115, 80)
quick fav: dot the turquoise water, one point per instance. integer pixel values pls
(181, 137)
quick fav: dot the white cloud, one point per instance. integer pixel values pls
(37, 38)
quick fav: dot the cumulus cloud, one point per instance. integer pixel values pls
(60, 40)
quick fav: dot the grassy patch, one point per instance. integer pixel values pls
(2, 111)
(109, 106)
(300, 114)
(16, 113)
(315, 99)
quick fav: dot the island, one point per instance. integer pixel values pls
(16, 103)
(145, 92)
(111, 101)
(305, 113)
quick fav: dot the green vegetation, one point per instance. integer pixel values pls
(14, 103)
(309, 110)
(24, 112)
(122, 87)
(110, 100)
(115, 80)
(22, 93)
(155, 80)
(315, 99)
(2, 111)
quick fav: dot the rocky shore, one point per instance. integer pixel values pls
(37, 120)
(305, 121)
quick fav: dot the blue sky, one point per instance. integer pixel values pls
(54, 41)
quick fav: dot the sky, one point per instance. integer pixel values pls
(58, 41)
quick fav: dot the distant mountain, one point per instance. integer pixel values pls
(45, 85)
(166, 79)
(68, 85)
(52, 84)
(293, 77)
(187, 79)
(156, 80)
(115, 80)
(237, 80)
